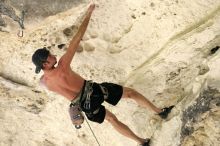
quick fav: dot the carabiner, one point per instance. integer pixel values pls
(20, 33)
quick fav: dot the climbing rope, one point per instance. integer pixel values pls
(93, 132)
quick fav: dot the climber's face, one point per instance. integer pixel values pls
(50, 62)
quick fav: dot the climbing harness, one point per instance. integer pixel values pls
(88, 89)
(21, 24)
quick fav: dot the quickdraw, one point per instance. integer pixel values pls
(21, 24)
(20, 33)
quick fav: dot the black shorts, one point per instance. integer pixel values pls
(97, 112)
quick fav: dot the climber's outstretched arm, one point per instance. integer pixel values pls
(66, 59)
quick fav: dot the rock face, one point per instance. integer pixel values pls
(168, 50)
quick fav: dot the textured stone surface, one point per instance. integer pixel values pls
(207, 102)
(167, 50)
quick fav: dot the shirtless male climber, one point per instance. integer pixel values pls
(64, 81)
